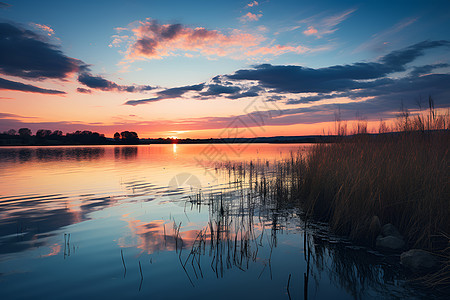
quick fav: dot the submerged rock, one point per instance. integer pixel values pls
(390, 239)
(418, 260)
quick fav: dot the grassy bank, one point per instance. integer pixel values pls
(365, 181)
(403, 180)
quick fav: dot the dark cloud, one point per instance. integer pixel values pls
(84, 91)
(298, 79)
(369, 84)
(217, 89)
(100, 83)
(168, 94)
(147, 45)
(26, 54)
(421, 70)
(251, 92)
(4, 5)
(18, 86)
(179, 91)
(96, 82)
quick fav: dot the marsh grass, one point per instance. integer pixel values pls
(399, 177)
(402, 179)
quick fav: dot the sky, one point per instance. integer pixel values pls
(200, 69)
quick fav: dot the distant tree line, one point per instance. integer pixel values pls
(24, 136)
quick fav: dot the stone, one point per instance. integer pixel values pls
(419, 260)
(390, 230)
(390, 242)
(390, 239)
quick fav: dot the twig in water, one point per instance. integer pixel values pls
(140, 269)
(287, 287)
(123, 262)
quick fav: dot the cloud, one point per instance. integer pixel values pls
(84, 91)
(381, 39)
(8, 116)
(217, 89)
(253, 3)
(45, 28)
(250, 17)
(326, 25)
(26, 54)
(18, 86)
(4, 5)
(152, 40)
(298, 79)
(364, 88)
(100, 83)
(426, 69)
(282, 49)
(170, 93)
(310, 31)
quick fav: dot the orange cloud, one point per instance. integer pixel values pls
(327, 25)
(250, 17)
(254, 3)
(310, 31)
(45, 28)
(154, 41)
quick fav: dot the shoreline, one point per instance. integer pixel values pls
(309, 139)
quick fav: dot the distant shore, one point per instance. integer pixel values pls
(310, 139)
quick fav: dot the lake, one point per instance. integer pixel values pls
(164, 221)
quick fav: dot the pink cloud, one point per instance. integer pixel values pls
(152, 40)
(250, 17)
(251, 4)
(326, 25)
(310, 31)
(45, 28)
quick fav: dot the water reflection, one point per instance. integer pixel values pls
(117, 209)
(50, 154)
(29, 222)
(125, 152)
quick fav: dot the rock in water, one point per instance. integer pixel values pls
(390, 239)
(418, 260)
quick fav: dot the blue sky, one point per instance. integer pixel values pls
(127, 43)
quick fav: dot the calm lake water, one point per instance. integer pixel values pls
(161, 222)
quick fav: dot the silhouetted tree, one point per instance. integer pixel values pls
(117, 137)
(11, 132)
(129, 137)
(43, 133)
(57, 133)
(24, 132)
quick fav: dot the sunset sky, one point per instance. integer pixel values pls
(198, 68)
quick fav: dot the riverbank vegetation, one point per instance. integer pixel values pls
(363, 182)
